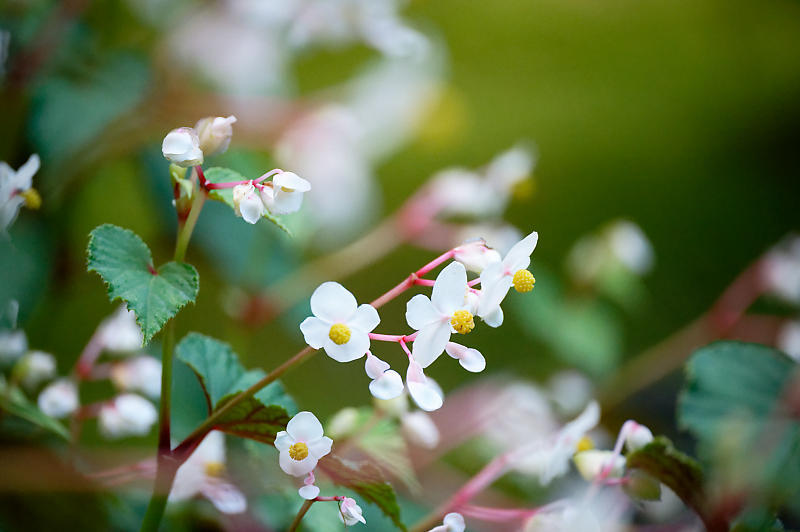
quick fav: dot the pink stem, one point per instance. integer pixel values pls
(230, 184)
(475, 281)
(89, 355)
(336, 498)
(405, 348)
(412, 279)
(393, 337)
(497, 515)
(424, 282)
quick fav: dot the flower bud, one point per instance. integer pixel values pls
(637, 437)
(419, 429)
(120, 333)
(591, 463)
(59, 399)
(13, 345)
(182, 147)
(34, 368)
(247, 203)
(214, 134)
(475, 255)
(138, 374)
(350, 512)
(127, 415)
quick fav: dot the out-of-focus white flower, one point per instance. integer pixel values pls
(285, 194)
(119, 333)
(570, 391)
(36, 367)
(501, 237)
(350, 512)
(637, 436)
(620, 243)
(499, 277)
(343, 422)
(789, 340)
(452, 522)
(202, 474)
(605, 512)
(520, 414)
(438, 316)
(423, 390)
(127, 414)
(182, 147)
(302, 444)
(592, 462)
(419, 429)
(16, 190)
(59, 399)
(339, 325)
(386, 383)
(469, 358)
(782, 270)
(138, 374)
(13, 344)
(508, 169)
(631, 246)
(392, 407)
(475, 255)
(247, 203)
(214, 134)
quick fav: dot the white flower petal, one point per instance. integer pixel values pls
(291, 181)
(315, 331)
(224, 496)
(493, 294)
(454, 522)
(423, 390)
(309, 492)
(469, 358)
(366, 318)
(251, 208)
(283, 441)
(494, 318)
(304, 427)
(286, 202)
(449, 288)
(354, 349)
(421, 312)
(374, 366)
(297, 468)
(333, 303)
(430, 343)
(519, 256)
(24, 178)
(419, 429)
(321, 447)
(387, 386)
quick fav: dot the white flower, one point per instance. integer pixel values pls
(452, 522)
(138, 374)
(13, 345)
(285, 195)
(59, 399)
(419, 429)
(423, 390)
(35, 367)
(247, 203)
(637, 436)
(469, 358)
(436, 318)
(15, 190)
(302, 444)
(386, 383)
(343, 422)
(339, 325)
(570, 391)
(475, 255)
(350, 512)
(119, 333)
(631, 247)
(182, 147)
(789, 340)
(592, 462)
(214, 134)
(508, 169)
(202, 474)
(499, 277)
(127, 415)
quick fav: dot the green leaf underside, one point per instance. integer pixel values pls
(14, 402)
(222, 376)
(124, 262)
(366, 480)
(226, 175)
(681, 473)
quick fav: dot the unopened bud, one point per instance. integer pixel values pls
(34, 368)
(127, 415)
(182, 147)
(637, 437)
(475, 255)
(214, 133)
(59, 399)
(138, 374)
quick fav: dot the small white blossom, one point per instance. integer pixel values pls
(138, 374)
(452, 522)
(592, 462)
(631, 247)
(499, 277)
(339, 325)
(214, 134)
(470, 359)
(423, 390)
(13, 344)
(285, 194)
(16, 191)
(119, 333)
(343, 422)
(437, 317)
(127, 415)
(570, 390)
(247, 203)
(350, 512)
(475, 255)
(637, 436)
(386, 383)
(419, 429)
(302, 444)
(59, 399)
(36, 367)
(182, 147)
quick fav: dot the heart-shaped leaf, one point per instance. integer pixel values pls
(124, 262)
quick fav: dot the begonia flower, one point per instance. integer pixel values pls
(423, 390)
(214, 134)
(138, 374)
(119, 333)
(285, 194)
(499, 277)
(16, 190)
(470, 359)
(386, 383)
(452, 522)
(127, 415)
(302, 444)
(247, 203)
(181, 146)
(419, 429)
(350, 512)
(59, 399)
(592, 462)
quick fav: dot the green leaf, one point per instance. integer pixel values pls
(124, 262)
(14, 402)
(681, 473)
(366, 480)
(216, 365)
(226, 175)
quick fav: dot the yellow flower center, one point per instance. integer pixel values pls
(214, 469)
(462, 321)
(339, 333)
(298, 451)
(32, 198)
(287, 189)
(584, 444)
(523, 281)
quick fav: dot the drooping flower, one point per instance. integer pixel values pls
(470, 359)
(302, 444)
(350, 512)
(16, 190)
(419, 429)
(339, 325)
(202, 473)
(127, 414)
(386, 383)
(499, 277)
(59, 399)
(452, 522)
(247, 203)
(592, 462)
(423, 390)
(214, 134)
(284, 195)
(138, 374)
(182, 147)
(441, 315)
(119, 333)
